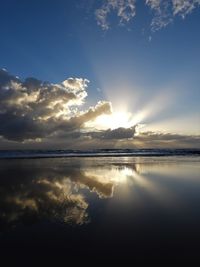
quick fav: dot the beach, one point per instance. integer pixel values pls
(121, 208)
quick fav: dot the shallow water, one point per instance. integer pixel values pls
(121, 208)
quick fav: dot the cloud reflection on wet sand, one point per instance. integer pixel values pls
(57, 189)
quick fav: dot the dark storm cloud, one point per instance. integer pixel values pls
(34, 109)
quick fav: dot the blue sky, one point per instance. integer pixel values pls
(132, 65)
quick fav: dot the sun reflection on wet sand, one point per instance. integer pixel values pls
(57, 189)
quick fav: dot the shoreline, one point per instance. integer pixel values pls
(196, 155)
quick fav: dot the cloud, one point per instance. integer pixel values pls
(125, 10)
(115, 134)
(161, 14)
(122, 138)
(34, 109)
(120, 133)
(184, 7)
(163, 11)
(166, 140)
(36, 114)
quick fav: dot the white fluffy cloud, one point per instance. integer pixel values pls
(163, 11)
(33, 109)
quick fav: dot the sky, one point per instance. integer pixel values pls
(104, 73)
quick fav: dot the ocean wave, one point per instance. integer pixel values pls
(12, 154)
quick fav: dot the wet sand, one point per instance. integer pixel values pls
(111, 208)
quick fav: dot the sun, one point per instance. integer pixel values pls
(117, 119)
